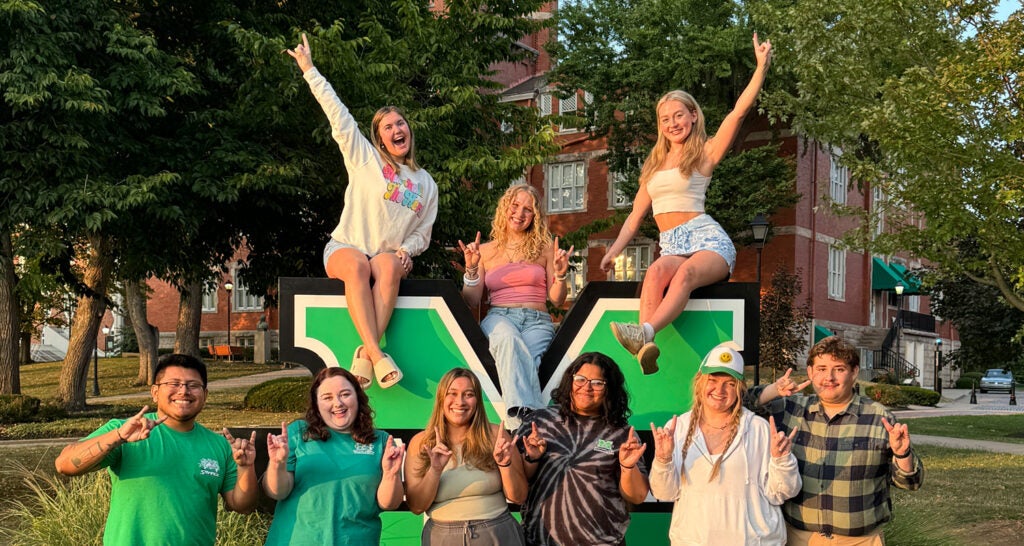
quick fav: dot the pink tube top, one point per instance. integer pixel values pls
(517, 283)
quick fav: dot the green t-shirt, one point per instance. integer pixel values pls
(334, 498)
(164, 489)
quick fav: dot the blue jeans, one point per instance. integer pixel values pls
(518, 337)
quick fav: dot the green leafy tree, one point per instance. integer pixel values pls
(986, 325)
(785, 323)
(925, 100)
(628, 54)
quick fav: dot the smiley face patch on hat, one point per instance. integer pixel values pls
(724, 358)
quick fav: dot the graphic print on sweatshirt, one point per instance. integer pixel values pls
(404, 192)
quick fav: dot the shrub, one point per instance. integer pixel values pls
(16, 408)
(976, 376)
(965, 383)
(279, 395)
(901, 395)
(73, 512)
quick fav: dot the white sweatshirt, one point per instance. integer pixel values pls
(384, 210)
(743, 504)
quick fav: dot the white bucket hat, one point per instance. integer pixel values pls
(724, 358)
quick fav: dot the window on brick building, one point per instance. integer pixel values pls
(565, 185)
(632, 264)
(242, 299)
(836, 273)
(577, 276)
(210, 299)
(839, 180)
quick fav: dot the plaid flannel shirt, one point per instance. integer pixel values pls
(845, 462)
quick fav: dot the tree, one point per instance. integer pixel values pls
(985, 322)
(785, 325)
(628, 54)
(82, 87)
(924, 99)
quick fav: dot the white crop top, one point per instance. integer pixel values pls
(671, 192)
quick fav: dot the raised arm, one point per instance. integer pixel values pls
(278, 481)
(510, 465)
(633, 484)
(390, 491)
(244, 496)
(716, 147)
(641, 204)
(420, 491)
(665, 476)
(557, 268)
(86, 455)
(472, 281)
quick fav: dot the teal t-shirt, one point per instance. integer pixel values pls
(164, 489)
(334, 497)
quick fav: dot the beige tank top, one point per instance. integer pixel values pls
(465, 493)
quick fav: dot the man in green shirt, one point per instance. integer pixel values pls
(166, 470)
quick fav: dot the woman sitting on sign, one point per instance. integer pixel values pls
(727, 470)
(521, 270)
(332, 473)
(583, 459)
(390, 207)
(461, 469)
(695, 250)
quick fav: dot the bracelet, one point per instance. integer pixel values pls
(903, 456)
(472, 270)
(470, 282)
(529, 459)
(117, 431)
(628, 467)
(506, 465)
(560, 278)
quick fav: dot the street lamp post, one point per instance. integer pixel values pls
(899, 329)
(759, 229)
(96, 365)
(938, 365)
(229, 287)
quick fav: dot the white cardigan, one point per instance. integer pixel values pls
(742, 504)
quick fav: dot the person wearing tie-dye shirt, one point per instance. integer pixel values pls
(390, 208)
(583, 460)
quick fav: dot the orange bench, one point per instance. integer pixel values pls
(228, 352)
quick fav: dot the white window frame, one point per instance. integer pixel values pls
(618, 199)
(555, 186)
(877, 198)
(210, 299)
(873, 310)
(544, 104)
(839, 179)
(836, 273)
(632, 263)
(566, 107)
(914, 303)
(241, 299)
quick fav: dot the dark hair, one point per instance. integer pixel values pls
(615, 410)
(836, 348)
(179, 360)
(317, 429)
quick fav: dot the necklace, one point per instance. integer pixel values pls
(511, 251)
(705, 422)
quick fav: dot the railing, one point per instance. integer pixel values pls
(896, 365)
(916, 321)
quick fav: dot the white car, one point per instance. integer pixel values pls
(996, 379)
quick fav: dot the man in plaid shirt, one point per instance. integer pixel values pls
(849, 449)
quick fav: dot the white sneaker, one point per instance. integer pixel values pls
(629, 335)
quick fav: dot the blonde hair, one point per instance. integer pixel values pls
(478, 445)
(410, 158)
(536, 237)
(693, 147)
(700, 382)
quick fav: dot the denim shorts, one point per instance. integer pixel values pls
(333, 246)
(701, 233)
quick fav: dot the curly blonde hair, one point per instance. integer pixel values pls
(700, 382)
(693, 148)
(537, 235)
(477, 447)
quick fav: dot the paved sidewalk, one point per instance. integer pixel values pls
(218, 385)
(962, 443)
(957, 402)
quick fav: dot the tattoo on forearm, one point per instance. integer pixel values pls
(94, 452)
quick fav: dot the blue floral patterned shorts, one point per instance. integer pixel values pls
(701, 233)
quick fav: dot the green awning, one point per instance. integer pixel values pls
(883, 277)
(912, 285)
(820, 333)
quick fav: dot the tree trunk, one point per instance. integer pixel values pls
(190, 314)
(85, 324)
(25, 348)
(10, 379)
(136, 296)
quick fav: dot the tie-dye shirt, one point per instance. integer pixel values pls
(574, 495)
(385, 210)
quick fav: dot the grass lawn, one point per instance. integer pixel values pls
(117, 374)
(999, 428)
(223, 409)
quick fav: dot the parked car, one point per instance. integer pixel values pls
(996, 379)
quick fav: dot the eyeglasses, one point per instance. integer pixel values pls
(191, 386)
(596, 384)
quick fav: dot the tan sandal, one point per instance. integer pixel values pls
(362, 369)
(383, 368)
